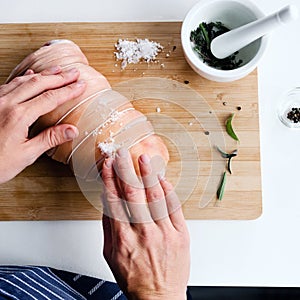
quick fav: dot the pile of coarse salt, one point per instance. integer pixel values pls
(131, 52)
(108, 148)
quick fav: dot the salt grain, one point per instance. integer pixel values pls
(114, 116)
(131, 52)
(158, 109)
(108, 148)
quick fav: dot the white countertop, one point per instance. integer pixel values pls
(264, 252)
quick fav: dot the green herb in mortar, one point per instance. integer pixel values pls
(202, 38)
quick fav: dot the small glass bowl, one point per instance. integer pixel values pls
(289, 101)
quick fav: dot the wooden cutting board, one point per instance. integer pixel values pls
(47, 190)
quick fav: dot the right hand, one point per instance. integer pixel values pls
(148, 251)
(22, 102)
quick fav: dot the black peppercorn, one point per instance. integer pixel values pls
(294, 115)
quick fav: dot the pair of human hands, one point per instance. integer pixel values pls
(146, 242)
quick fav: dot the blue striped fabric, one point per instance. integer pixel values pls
(39, 283)
(91, 288)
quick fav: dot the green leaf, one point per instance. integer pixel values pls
(201, 38)
(205, 34)
(221, 189)
(229, 128)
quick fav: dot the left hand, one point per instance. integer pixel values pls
(22, 102)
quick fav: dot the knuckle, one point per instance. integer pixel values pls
(67, 93)
(146, 234)
(71, 91)
(111, 196)
(62, 77)
(155, 194)
(109, 188)
(16, 112)
(130, 191)
(106, 172)
(17, 80)
(52, 138)
(50, 95)
(36, 79)
(50, 99)
(106, 175)
(168, 186)
(60, 95)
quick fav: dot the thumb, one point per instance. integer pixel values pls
(53, 137)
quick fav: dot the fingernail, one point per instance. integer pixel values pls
(145, 159)
(71, 133)
(72, 71)
(123, 152)
(108, 162)
(80, 83)
(54, 70)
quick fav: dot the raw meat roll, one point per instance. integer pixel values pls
(106, 120)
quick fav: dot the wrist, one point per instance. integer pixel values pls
(172, 296)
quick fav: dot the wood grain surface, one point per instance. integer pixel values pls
(47, 190)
